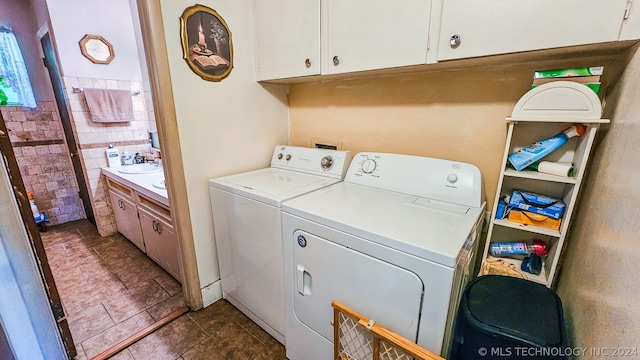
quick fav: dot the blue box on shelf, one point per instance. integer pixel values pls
(538, 204)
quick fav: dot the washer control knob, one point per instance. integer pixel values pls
(368, 166)
(280, 156)
(326, 163)
(288, 157)
(452, 178)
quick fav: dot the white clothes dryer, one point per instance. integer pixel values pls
(396, 241)
(247, 226)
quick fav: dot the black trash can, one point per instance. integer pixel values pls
(503, 317)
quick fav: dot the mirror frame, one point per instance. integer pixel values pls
(88, 52)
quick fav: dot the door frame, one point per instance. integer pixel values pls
(157, 58)
(51, 63)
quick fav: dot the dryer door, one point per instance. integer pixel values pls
(324, 271)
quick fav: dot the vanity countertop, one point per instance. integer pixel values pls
(143, 183)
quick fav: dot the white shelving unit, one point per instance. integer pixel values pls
(541, 113)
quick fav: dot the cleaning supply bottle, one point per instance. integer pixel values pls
(113, 157)
(536, 151)
(537, 247)
(34, 207)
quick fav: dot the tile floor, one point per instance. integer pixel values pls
(110, 290)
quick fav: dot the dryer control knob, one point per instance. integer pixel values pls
(326, 163)
(280, 156)
(288, 157)
(368, 166)
(452, 178)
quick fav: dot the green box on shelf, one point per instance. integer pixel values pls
(559, 73)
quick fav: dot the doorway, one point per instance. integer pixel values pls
(58, 90)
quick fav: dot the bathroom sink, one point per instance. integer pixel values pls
(160, 183)
(145, 168)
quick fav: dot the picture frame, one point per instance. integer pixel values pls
(206, 43)
(97, 49)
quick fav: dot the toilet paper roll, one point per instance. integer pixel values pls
(556, 168)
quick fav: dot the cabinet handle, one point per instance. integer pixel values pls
(454, 41)
(336, 60)
(307, 63)
(121, 204)
(156, 227)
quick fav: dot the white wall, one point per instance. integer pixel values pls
(224, 127)
(71, 20)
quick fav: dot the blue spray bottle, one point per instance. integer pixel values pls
(536, 151)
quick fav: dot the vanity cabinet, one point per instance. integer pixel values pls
(540, 114)
(125, 210)
(159, 237)
(147, 224)
(473, 28)
(311, 37)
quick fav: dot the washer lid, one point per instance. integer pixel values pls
(271, 185)
(426, 228)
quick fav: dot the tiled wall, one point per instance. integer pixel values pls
(94, 138)
(44, 161)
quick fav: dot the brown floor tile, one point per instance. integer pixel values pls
(275, 351)
(212, 318)
(123, 355)
(50, 238)
(83, 297)
(166, 307)
(90, 322)
(230, 342)
(169, 284)
(121, 331)
(133, 300)
(55, 253)
(68, 280)
(170, 341)
(85, 244)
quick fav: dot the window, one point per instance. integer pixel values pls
(15, 87)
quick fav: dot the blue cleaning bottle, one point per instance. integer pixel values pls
(536, 151)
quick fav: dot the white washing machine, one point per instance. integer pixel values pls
(247, 224)
(396, 241)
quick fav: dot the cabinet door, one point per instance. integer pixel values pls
(161, 243)
(287, 38)
(506, 26)
(126, 214)
(631, 23)
(375, 34)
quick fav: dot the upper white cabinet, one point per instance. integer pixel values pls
(472, 28)
(310, 37)
(374, 34)
(287, 38)
(631, 22)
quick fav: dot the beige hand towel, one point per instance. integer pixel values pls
(107, 105)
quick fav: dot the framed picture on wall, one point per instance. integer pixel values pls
(206, 42)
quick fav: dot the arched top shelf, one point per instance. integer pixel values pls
(559, 101)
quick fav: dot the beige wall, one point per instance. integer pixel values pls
(451, 114)
(599, 283)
